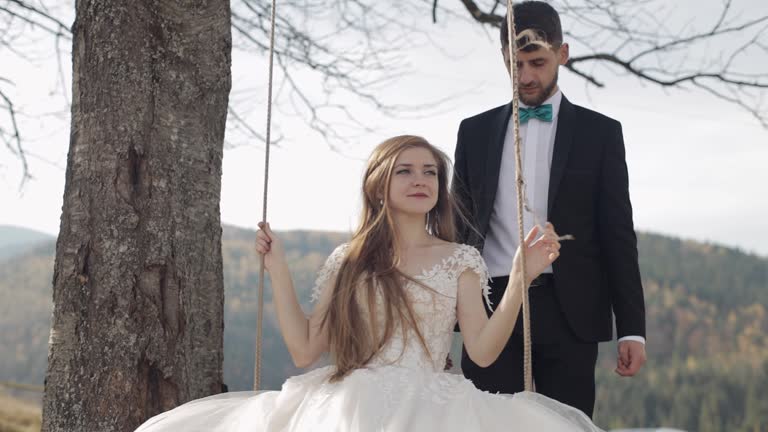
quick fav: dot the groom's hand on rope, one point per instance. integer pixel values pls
(631, 358)
(269, 245)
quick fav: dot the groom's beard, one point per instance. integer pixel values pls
(538, 98)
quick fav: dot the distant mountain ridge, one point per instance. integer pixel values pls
(15, 240)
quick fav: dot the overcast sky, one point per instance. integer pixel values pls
(697, 165)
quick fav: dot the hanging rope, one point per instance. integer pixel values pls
(260, 310)
(520, 186)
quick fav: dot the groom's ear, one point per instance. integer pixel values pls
(563, 53)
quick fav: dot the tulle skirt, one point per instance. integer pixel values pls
(384, 399)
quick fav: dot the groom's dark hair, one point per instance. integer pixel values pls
(538, 16)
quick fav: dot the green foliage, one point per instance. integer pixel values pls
(722, 276)
(707, 344)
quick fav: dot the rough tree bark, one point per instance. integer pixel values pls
(138, 293)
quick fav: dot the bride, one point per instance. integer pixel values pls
(385, 307)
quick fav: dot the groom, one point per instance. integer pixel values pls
(576, 177)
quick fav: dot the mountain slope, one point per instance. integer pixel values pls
(17, 240)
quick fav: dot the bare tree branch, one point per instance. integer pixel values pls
(630, 35)
(36, 17)
(333, 54)
(351, 51)
(12, 138)
(716, 31)
(760, 117)
(480, 16)
(63, 28)
(242, 123)
(20, 18)
(680, 79)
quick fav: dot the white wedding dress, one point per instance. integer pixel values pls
(403, 389)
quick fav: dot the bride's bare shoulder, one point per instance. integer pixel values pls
(446, 249)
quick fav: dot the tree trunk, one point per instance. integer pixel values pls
(138, 293)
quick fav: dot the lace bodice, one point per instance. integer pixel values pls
(435, 309)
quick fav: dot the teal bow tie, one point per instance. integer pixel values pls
(541, 112)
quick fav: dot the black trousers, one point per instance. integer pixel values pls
(563, 366)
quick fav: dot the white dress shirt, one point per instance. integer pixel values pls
(537, 139)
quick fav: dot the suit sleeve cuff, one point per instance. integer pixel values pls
(633, 338)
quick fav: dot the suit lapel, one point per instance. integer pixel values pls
(493, 161)
(563, 142)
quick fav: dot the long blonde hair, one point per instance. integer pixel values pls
(372, 262)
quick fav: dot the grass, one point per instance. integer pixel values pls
(18, 416)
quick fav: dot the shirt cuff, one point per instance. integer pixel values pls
(633, 338)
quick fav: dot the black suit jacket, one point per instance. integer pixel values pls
(588, 198)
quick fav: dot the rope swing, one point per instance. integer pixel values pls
(520, 185)
(260, 310)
